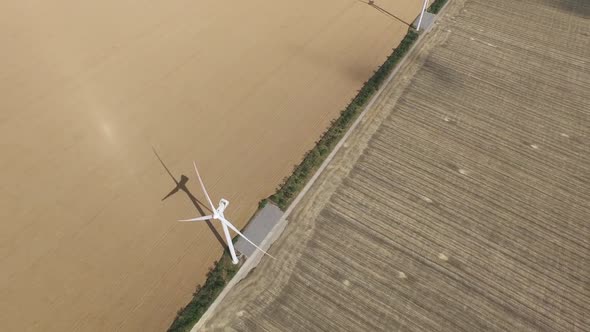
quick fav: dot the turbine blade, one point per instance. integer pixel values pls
(230, 245)
(198, 219)
(228, 224)
(203, 187)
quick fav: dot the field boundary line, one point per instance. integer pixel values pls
(277, 230)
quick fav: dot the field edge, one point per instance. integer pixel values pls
(190, 315)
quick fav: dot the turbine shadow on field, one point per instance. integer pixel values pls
(181, 186)
(384, 11)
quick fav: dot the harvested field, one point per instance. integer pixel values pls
(462, 201)
(244, 88)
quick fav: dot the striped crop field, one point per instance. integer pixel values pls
(461, 202)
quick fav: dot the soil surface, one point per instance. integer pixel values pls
(89, 87)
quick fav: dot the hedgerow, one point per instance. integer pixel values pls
(217, 278)
(436, 6)
(224, 270)
(301, 173)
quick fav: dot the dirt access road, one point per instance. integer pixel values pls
(244, 88)
(460, 203)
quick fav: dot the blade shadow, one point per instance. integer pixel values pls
(181, 186)
(384, 11)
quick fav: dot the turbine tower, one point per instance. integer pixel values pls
(218, 215)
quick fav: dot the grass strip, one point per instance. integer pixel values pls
(436, 6)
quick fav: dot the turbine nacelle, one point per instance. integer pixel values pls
(223, 204)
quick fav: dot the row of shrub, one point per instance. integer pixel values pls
(312, 160)
(224, 270)
(436, 6)
(217, 278)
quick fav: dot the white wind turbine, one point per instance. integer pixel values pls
(218, 215)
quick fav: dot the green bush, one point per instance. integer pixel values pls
(217, 278)
(312, 160)
(262, 204)
(436, 6)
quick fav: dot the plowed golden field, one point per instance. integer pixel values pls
(89, 87)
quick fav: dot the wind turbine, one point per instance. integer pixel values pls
(218, 215)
